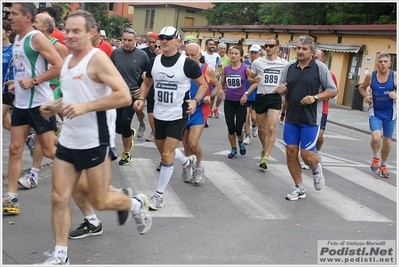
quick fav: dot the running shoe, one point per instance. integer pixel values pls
(206, 124)
(247, 140)
(86, 229)
(125, 159)
(255, 130)
(375, 163)
(243, 150)
(156, 202)
(150, 138)
(281, 119)
(383, 171)
(30, 180)
(304, 166)
(125, 215)
(263, 160)
(319, 178)
(210, 114)
(318, 153)
(187, 174)
(30, 144)
(142, 128)
(233, 154)
(216, 112)
(296, 194)
(52, 260)
(143, 217)
(199, 176)
(10, 205)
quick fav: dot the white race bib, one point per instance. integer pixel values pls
(233, 81)
(271, 77)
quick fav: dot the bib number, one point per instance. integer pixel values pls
(271, 77)
(233, 81)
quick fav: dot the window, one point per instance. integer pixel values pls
(149, 18)
(393, 60)
(188, 21)
(112, 6)
(130, 10)
(190, 11)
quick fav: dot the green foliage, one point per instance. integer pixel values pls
(116, 25)
(243, 13)
(294, 13)
(99, 11)
(63, 9)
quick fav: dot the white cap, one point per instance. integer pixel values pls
(222, 45)
(255, 48)
(102, 33)
(169, 31)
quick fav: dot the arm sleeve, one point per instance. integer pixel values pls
(149, 68)
(191, 69)
(326, 78)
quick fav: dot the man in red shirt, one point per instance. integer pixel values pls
(101, 44)
(59, 35)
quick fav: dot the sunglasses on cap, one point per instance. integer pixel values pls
(165, 37)
(269, 45)
(129, 30)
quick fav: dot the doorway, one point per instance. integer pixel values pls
(352, 78)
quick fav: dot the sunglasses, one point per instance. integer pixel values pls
(269, 45)
(165, 37)
(129, 30)
(157, 46)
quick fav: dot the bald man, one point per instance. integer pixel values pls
(196, 122)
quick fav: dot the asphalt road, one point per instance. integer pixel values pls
(238, 216)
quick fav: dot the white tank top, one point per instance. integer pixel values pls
(91, 129)
(29, 63)
(170, 89)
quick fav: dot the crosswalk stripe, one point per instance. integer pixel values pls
(367, 181)
(242, 193)
(141, 175)
(342, 205)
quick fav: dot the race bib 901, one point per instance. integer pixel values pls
(166, 93)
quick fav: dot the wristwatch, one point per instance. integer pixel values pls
(35, 81)
(198, 102)
(246, 93)
(316, 97)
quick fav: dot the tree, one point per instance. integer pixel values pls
(116, 25)
(99, 12)
(244, 13)
(63, 9)
(317, 13)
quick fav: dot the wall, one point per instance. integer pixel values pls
(166, 16)
(340, 60)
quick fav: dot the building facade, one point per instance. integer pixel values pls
(153, 16)
(350, 50)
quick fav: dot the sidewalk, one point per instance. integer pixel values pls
(355, 119)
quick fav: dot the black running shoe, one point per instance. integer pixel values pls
(125, 215)
(86, 229)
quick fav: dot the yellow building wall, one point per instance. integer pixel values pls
(339, 61)
(166, 16)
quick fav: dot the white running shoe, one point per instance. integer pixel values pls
(255, 131)
(247, 140)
